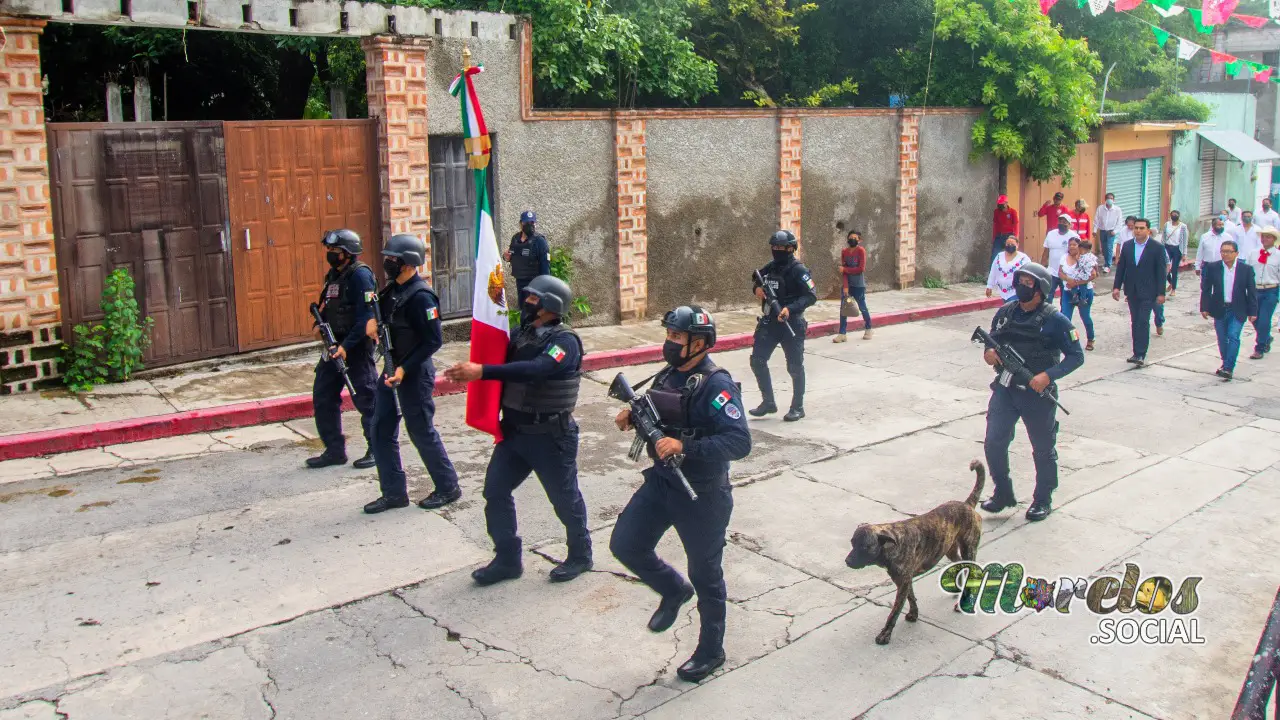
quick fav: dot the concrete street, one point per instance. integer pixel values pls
(235, 584)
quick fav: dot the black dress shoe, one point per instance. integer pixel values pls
(995, 504)
(382, 505)
(669, 609)
(696, 669)
(793, 415)
(1038, 511)
(765, 408)
(439, 499)
(1219, 371)
(1227, 375)
(570, 569)
(495, 572)
(326, 459)
(365, 462)
(1137, 360)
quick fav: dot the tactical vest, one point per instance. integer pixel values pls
(338, 311)
(524, 258)
(673, 403)
(785, 281)
(546, 396)
(404, 338)
(1038, 350)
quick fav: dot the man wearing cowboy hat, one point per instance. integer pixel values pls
(1266, 270)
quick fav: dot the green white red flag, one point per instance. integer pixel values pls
(490, 331)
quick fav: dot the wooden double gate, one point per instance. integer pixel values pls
(219, 223)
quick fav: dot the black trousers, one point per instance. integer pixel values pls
(554, 458)
(769, 335)
(1140, 324)
(326, 398)
(419, 420)
(1007, 406)
(656, 507)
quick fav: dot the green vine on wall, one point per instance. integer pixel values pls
(110, 350)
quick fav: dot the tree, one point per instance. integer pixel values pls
(746, 40)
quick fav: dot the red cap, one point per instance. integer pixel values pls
(1002, 200)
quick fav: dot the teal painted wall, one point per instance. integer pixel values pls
(1231, 111)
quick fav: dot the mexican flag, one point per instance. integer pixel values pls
(489, 327)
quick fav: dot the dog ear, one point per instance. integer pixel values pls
(885, 538)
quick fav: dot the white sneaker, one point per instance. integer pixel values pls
(839, 338)
(867, 335)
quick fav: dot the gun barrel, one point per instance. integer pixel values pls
(675, 468)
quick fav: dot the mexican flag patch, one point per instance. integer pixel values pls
(721, 399)
(1075, 336)
(370, 295)
(809, 281)
(556, 352)
(433, 313)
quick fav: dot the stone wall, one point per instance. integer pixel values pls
(954, 204)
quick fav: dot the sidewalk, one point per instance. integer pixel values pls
(244, 391)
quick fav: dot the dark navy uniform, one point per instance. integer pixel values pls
(530, 257)
(794, 287)
(413, 313)
(345, 305)
(1047, 343)
(703, 408)
(539, 434)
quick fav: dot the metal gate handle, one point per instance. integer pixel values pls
(248, 244)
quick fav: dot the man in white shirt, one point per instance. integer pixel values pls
(1247, 235)
(1176, 237)
(1108, 219)
(1055, 248)
(1266, 270)
(1210, 249)
(1233, 212)
(1267, 217)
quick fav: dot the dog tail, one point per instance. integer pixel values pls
(978, 468)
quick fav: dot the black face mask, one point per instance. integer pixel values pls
(1026, 294)
(393, 266)
(853, 242)
(334, 259)
(1011, 248)
(673, 353)
(781, 256)
(528, 313)
(528, 229)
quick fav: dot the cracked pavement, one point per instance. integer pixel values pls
(232, 583)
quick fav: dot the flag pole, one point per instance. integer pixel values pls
(466, 58)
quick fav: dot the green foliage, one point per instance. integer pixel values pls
(562, 267)
(745, 40)
(111, 350)
(1162, 105)
(933, 282)
(832, 95)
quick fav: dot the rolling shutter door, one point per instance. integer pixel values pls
(1124, 180)
(1208, 161)
(1152, 177)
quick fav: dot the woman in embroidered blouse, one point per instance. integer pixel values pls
(1002, 268)
(1078, 270)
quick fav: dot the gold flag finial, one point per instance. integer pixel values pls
(466, 58)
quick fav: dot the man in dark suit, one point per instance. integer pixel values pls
(1229, 296)
(1140, 272)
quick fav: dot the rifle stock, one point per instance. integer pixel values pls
(771, 298)
(1013, 363)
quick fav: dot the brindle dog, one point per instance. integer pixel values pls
(912, 547)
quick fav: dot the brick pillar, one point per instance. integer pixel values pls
(395, 75)
(908, 182)
(29, 309)
(633, 239)
(790, 157)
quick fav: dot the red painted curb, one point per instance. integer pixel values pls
(259, 412)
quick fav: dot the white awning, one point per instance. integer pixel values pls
(1238, 145)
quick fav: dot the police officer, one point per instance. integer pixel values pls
(344, 304)
(411, 311)
(539, 393)
(794, 288)
(529, 254)
(700, 408)
(1050, 347)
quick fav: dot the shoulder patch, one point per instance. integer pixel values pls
(556, 352)
(732, 411)
(1075, 336)
(433, 313)
(721, 400)
(808, 281)
(370, 295)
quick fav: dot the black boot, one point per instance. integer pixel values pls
(996, 503)
(570, 569)
(438, 499)
(765, 408)
(793, 415)
(497, 571)
(669, 609)
(696, 669)
(382, 505)
(1039, 511)
(365, 462)
(327, 459)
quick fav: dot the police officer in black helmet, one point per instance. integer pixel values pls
(1050, 346)
(540, 383)
(793, 285)
(344, 304)
(700, 407)
(412, 310)
(529, 253)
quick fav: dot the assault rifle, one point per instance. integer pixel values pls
(326, 333)
(1013, 369)
(384, 349)
(644, 417)
(771, 299)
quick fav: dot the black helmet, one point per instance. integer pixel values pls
(408, 248)
(783, 238)
(1042, 276)
(693, 320)
(553, 294)
(343, 239)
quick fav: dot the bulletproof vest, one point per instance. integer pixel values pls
(785, 281)
(339, 312)
(546, 396)
(404, 338)
(1038, 350)
(673, 401)
(524, 258)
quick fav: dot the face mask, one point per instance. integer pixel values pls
(528, 229)
(393, 266)
(1174, 220)
(1218, 231)
(528, 313)
(1011, 248)
(673, 353)
(1025, 294)
(1108, 203)
(333, 258)
(781, 256)
(853, 242)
